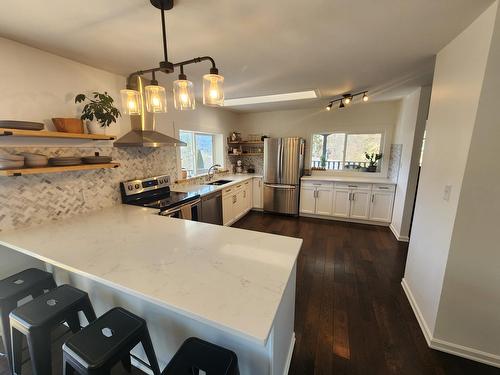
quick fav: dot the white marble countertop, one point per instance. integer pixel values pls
(207, 189)
(229, 278)
(368, 180)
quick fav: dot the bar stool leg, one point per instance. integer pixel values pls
(4, 312)
(88, 310)
(39, 346)
(73, 322)
(67, 368)
(16, 351)
(150, 352)
(127, 363)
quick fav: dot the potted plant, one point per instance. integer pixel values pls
(99, 111)
(373, 159)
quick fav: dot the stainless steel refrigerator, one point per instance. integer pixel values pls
(283, 168)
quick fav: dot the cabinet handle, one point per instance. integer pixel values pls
(383, 187)
(373, 198)
(353, 186)
(234, 198)
(350, 194)
(353, 196)
(244, 194)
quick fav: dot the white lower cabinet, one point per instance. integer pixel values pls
(236, 201)
(257, 193)
(381, 206)
(316, 199)
(360, 204)
(358, 201)
(341, 203)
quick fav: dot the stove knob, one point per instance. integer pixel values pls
(160, 181)
(137, 186)
(130, 187)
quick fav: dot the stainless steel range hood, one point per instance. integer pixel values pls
(143, 133)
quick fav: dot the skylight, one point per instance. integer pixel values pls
(311, 94)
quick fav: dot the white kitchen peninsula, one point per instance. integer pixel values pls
(233, 287)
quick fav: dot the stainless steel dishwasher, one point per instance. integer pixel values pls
(211, 208)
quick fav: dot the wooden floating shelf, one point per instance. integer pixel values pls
(243, 143)
(47, 134)
(248, 154)
(58, 169)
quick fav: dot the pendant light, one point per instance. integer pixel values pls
(213, 89)
(131, 102)
(213, 83)
(183, 93)
(156, 97)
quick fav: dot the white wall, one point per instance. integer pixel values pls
(458, 81)
(469, 310)
(37, 86)
(372, 116)
(409, 133)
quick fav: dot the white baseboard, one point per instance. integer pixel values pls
(446, 346)
(345, 219)
(397, 235)
(289, 356)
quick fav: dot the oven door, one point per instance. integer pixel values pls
(187, 211)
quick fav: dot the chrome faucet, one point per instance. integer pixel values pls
(210, 176)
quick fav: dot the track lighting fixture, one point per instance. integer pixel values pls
(346, 99)
(155, 96)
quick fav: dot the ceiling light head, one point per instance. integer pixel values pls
(213, 90)
(341, 105)
(365, 97)
(131, 102)
(347, 98)
(184, 94)
(329, 106)
(156, 99)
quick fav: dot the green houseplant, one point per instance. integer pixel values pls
(373, 159)
(99, 111)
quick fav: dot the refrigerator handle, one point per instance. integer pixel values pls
(280, 159)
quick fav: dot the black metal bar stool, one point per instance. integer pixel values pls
(196, 355)
(31, 282)
(107, 341)
(36, 319)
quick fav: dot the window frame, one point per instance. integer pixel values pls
(194, 150)
(382, 133)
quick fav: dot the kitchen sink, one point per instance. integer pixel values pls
(219, 182)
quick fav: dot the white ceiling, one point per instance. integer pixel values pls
(261, 47)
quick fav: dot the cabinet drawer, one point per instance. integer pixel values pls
(228, 191)
(321, 184)
(384, 187)
(353, 185)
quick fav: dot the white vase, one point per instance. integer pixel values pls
(95, 127)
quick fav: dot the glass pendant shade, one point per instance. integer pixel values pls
(184, 95)
(156, 99)
(131, 102)
(213, 90)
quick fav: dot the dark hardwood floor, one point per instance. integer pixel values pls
(352, 316)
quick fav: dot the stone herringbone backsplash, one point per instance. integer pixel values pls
(34, 199)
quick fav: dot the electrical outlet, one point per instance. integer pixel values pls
(447, 193)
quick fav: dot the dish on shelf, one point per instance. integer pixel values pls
(96, 159)
(21, 125)
(11, 164)
(10, 157)
(65, 161)
(35, 160)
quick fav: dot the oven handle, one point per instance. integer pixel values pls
(177, 209)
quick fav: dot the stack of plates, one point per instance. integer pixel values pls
(96, 159)
(65, 161)
(22, 125)
(10, 161)
(35, 160)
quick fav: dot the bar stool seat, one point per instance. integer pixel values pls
(97, 348)
(28, 283)
(37, 318)
(195, 355)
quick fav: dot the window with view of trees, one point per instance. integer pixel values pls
(199, 154)
(344, 151)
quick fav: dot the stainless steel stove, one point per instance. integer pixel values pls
(154, 192)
